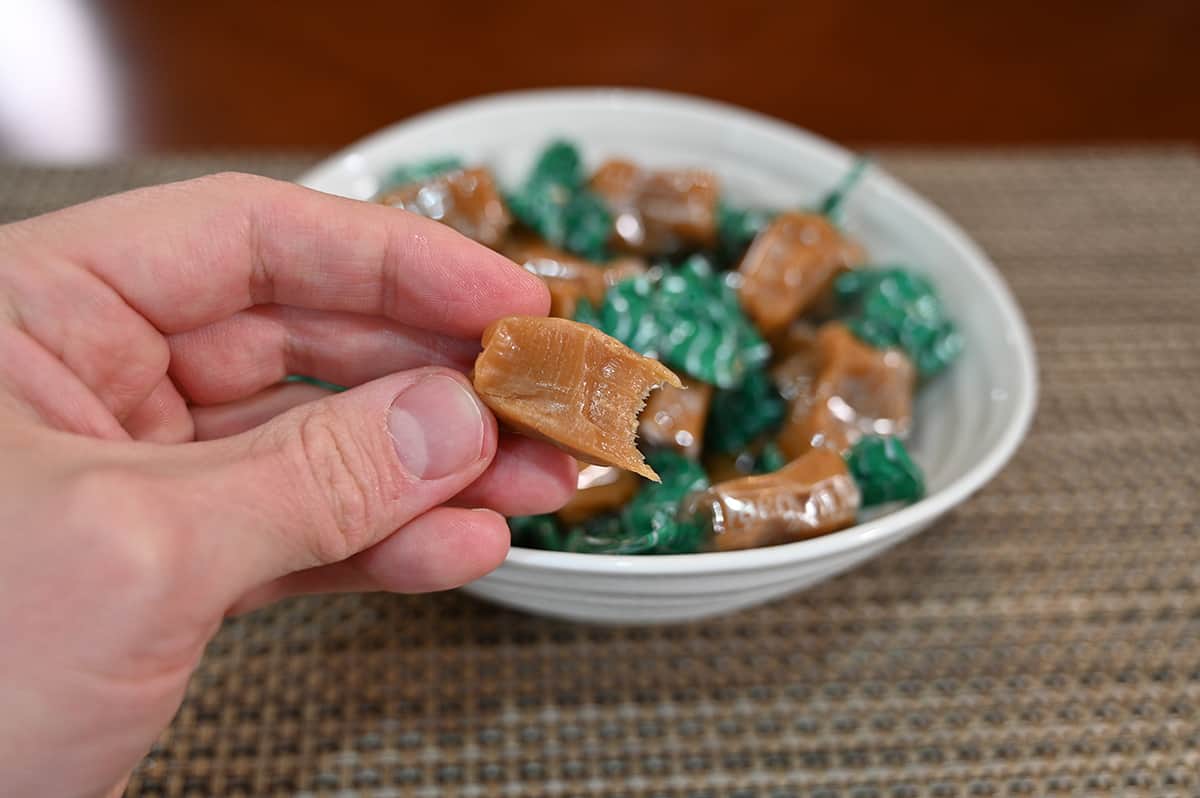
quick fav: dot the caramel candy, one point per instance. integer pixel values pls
(564, 297)
(857, 390)
(600, 489)
(758, 458)
(811, 423)
(465, 199)
(795, 360)
(569, 384)
(656, 212)
(674, 417)
(724, 467)
(568, 277)
(790, 266)
(810, 496)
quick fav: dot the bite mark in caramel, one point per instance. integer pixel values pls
(571, 385)
(674, 418)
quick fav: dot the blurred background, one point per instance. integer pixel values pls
(93, 80)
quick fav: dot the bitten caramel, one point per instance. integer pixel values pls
(856, 390)
(570, 278)
(600, 489)
(674, 417)
(656, 212)
(465, 199)
(789, 266)
(569, 384)
(810, 496)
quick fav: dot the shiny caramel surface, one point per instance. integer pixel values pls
(810, 496)
(570, 277)
(569, 384)
(855, 390)
(790, 266)
(658, 211)
(465, 199)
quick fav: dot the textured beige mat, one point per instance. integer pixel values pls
(1043, 640)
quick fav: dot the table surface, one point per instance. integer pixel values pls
(131, 76)
(1043, 639)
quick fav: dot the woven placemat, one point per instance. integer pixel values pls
(1043, 640)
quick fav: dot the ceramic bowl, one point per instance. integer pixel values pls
(968, 421)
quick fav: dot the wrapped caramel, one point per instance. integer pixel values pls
(762, 456)
(790, 266)
(569, 384)
(810, 496)
(856, 390)
(657, 212)
(795, 360)
(465, 199)
(569, 277)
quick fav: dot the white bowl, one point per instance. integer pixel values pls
(968, 421)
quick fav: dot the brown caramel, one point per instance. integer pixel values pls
(795, 360)
(856, 390)
(600, 489)
(571, 385)
(810, 496)
(570, 278)
(724, 466)
(656, 212)
(790, 266)
(465, 199)
(674, 417)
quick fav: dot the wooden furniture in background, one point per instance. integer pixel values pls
(315, 75)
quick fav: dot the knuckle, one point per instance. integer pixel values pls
(345, 481)
(233, 179)
(139, 365)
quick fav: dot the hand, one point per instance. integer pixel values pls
(155, 476)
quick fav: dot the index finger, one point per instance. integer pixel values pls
(188, 254)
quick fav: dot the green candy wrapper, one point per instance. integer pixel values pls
(688, 317)
(884, 471)
(896, 307)
(420, 172)
(555, 202)
(739, 415)
(536, 532)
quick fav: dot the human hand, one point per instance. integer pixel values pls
(156, 477)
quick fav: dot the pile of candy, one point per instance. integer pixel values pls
(798, 360)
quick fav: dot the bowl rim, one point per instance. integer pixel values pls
(860, 535)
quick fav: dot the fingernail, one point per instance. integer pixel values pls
(437, 427)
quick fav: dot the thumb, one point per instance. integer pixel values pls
(331, 478)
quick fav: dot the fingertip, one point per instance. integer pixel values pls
(527, 477)
(531, 291)
(492, 538)
(443, 549)
(560, 473)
